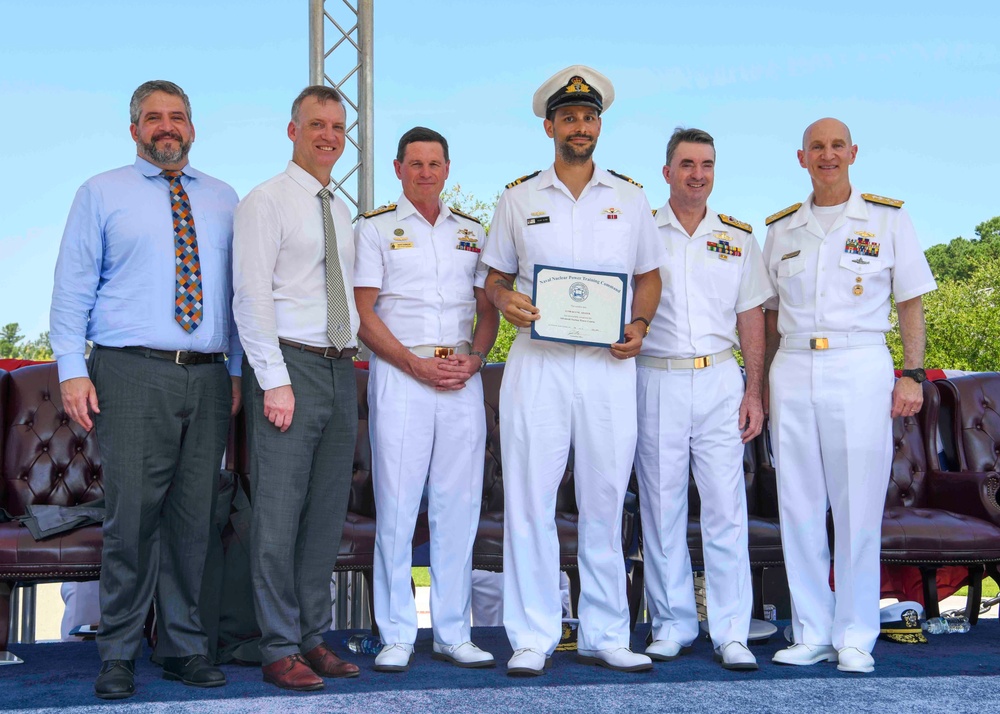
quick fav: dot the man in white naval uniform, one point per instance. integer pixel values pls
(418, 284)
(694, 414)
(834, 261)
(557, 395)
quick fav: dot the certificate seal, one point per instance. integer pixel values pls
(578, 292)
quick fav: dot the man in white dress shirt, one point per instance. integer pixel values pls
(419, 290)
(293, 267)
(834, 261)
(694, 414)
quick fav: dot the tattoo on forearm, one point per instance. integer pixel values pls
(502, 282)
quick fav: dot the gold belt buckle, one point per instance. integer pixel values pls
(819, 343)
(442, 352)
(702, 362)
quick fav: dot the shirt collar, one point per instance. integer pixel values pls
(855, 208)
(150, 170)
(548, 178)
(405, 209)
(665, 216)
(306, 180)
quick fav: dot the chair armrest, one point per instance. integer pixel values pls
(971, 493)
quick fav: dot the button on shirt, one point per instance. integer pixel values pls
(709, 277)
(425, 274)
(609, 228)
(115, 279)
(279, 269)
(841, 282)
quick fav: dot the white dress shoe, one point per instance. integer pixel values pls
(465, 654)
(621, 659)
(735, 655)
(527, 662)
(851, 659)
(666, 650)
(801, 654)
(394, 658)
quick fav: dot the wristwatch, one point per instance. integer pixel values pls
(482, 359)
(918, 375)
(643, 320)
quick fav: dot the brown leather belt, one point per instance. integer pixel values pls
(325, 352)
(176, 356)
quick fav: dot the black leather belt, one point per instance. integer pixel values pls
(325, 352)
(177, 356)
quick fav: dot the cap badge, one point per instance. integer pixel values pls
(576, 84)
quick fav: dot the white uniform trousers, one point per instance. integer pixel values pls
(418, 436)
(554, 396)
(689, 422)
(832, 439)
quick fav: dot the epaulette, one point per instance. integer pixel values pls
(623, 177)
(514, 183)
(380, 210)
(730, 221)
(872, 198)
(782, 213)
(465, 215)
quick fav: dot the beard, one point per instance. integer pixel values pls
(572, 154)
(167, 156)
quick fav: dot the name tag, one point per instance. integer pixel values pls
(400, 244)
(537, 220)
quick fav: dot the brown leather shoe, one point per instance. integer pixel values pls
(292, 672)
(326, 664)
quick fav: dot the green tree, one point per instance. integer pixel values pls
(960, 258)
(13, 345)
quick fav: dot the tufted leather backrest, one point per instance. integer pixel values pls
(972, 403)
(47, 458)
(4, 381)
(362, 497)
(914, 440)
(492, 468)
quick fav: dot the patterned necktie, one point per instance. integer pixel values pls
(188, 308)
(338, 314)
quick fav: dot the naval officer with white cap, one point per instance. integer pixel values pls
(834, 261)
(556, 396)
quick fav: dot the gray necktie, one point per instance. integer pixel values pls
(338, 314)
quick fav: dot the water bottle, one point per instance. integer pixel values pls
(363, 644)
(946, 625)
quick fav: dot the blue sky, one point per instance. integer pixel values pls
(918, 83)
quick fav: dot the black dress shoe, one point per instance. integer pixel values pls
(193, 670)
(116, 680)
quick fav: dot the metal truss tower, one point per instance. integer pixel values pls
(345, 61)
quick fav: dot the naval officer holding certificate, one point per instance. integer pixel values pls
(584, 307)
(573, 217)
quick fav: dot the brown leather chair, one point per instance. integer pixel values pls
(934, 518)
(46, 459)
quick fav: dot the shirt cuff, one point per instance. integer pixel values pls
(72, 366)
(234, 363)
(273, 378)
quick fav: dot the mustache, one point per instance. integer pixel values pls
(579, 136)
(167, 135)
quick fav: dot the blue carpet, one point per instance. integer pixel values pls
(954, 673)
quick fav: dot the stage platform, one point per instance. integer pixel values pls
(952, 673)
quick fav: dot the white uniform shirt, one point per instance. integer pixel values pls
(609, 228)
(841, 281)
(279, 269)
(708, 278)
(425, 274)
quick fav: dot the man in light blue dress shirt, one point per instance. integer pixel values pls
(144, 274)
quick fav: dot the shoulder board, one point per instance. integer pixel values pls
(782, 213)
(623, 177)
(730, 221)
(380, 210)
(464, 215)
(872, 198)
(514, 183)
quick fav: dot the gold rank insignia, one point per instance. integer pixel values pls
(464, 215)
(730, 221)
(623, 177)
(654, 212)
(379, 211)
(521, 180)
(782, 213)
(611, 213)
(882, 200)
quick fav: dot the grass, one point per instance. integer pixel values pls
(990, 589)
